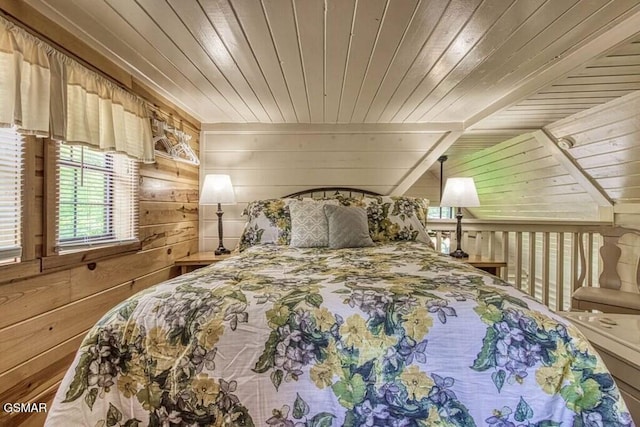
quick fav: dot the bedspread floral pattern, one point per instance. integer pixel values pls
(394, 335)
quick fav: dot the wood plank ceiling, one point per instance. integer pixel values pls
(495, 63)
(603, 79)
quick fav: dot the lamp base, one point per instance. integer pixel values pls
(459, 253)
(222, 251)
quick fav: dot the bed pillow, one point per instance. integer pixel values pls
(348, 227)
(309, 226)
(397, 218)
(269, 222)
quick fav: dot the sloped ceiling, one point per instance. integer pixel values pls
(600, 80)
(605, 145)
(605, 78)
(448, 63)
(537, 182)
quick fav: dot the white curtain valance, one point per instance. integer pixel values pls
(104, 116)
(47, 93)
(24, 81)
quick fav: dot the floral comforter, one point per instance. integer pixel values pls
(393, 335)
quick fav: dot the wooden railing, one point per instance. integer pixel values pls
(548, 260)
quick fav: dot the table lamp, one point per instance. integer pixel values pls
(460, 193)
(217, 189)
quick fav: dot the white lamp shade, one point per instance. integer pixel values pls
(460, 193)
(217, 189)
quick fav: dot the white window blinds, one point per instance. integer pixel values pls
(97, 198)
(11, 147)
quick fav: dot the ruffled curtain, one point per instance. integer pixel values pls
(104, 116)
(46, 93)
(24, 81)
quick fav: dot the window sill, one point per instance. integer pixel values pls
(85, 256)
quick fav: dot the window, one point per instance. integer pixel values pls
(11, 159)
(440, 212)
(97, 198)
(445, 236)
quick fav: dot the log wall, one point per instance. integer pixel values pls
(48, 303)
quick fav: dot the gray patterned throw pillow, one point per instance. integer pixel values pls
(309, 227)
(348, 227)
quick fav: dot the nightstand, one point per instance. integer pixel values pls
(491, 266)
(197, 260)
(617, 338)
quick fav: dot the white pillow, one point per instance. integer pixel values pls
(309, 226)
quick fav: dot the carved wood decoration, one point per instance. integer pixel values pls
(610, 253)
(608, 296)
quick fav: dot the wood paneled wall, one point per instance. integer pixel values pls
(267, 161)
(45, 314)
(607, 148)
(520, 179)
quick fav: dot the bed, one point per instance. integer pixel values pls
(389, 333)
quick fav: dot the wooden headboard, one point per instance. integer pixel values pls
(332, 191)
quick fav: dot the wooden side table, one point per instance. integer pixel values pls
(617, 338)
(491, 266)
(198, 260)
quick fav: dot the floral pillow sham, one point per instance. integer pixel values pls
(269, 222)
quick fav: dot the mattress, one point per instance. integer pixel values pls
(390, 335)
